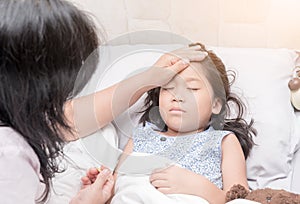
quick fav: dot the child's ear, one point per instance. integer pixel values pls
(216, 106)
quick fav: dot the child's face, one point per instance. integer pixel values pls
(187, 102)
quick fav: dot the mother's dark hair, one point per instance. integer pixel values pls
(42, 47)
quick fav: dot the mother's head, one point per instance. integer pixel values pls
(43, 45)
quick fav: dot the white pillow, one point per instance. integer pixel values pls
(295, 186)
(262, 78)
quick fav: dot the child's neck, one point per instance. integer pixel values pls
(171, 132)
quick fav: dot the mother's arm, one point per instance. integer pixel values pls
(89, 113)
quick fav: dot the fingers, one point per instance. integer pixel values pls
(85, 182)
(159, 170)
(91, 175)
(108, 186)
(102, 178)
(158, 176)
(188, 48)
(164, 190)
(160, 184)
(159, 180)
(92, 172)
(193, 53)
(195, 47)
(187, 54)
(179, 66)
(196, 56)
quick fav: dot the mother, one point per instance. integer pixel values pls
(43, 45)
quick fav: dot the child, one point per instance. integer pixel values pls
(193, 128)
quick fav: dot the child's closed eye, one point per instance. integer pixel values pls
(167, 88)
(193, 88)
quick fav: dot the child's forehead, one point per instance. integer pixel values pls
(195, 70)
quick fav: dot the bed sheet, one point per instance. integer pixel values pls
(133, 186)
(138, 190)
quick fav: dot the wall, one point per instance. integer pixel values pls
(238, 23)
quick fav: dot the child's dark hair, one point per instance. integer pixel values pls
(215, 72)
(42, 47)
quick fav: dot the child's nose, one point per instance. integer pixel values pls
(177, 98)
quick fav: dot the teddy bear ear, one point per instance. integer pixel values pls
(296, 72)
(294, 84)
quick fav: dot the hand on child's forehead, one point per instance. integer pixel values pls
(195, 69)
(190, 74)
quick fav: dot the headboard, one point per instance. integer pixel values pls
(229, 23)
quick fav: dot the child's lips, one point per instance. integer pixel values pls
(176, 109)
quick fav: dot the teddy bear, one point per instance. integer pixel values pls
(263, 196)
(294, 85)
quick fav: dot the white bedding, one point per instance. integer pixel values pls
(128, 189)
(276, 122)
(138, 190)
(135, 189)
(133, 186)
(78, 161)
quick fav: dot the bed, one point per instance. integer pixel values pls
(249, 36)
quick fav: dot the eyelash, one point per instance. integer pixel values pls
(167, 88)
(170, 88)
(193, 89)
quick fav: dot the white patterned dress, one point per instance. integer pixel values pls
(200, 152)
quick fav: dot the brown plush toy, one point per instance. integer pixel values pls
(264, 196)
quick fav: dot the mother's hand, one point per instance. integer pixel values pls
(97, 188)
(187, 54)
(174, 62)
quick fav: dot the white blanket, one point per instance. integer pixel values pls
(137, 190)
(77, 161)
(133, 185)
(129, 189)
